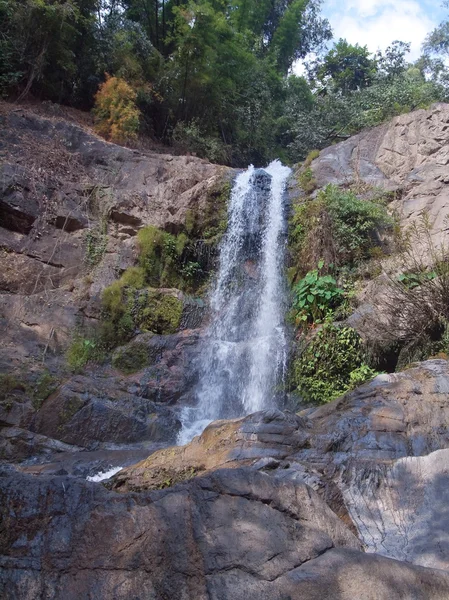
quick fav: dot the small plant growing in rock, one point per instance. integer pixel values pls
(338, 227)
(307, 180)
(82, 351)
(315, 297)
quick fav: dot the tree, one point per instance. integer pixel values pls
(347, 68)
(392, 63)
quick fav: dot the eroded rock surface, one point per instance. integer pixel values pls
(408, 155)
(71, 205)
(377, 456)
(232, 534)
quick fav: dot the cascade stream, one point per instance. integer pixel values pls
(244, 351)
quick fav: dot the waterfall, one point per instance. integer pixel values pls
(244, 351)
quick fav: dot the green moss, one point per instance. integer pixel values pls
(83, 350)
(330, 364)
(131, 358)
(44, 386)
(162, 313)
(307, 180)
(133, 277)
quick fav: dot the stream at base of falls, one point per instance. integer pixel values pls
(243, 359)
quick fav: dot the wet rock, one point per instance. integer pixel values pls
(377, 456)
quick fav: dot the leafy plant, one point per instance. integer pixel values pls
(96, 241)
(315, 297)
(329, 364)
(307, 180)
(414, 280)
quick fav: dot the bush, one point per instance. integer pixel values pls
(414, 314)
(307, 180)
(116, 112)
(337, 227)
(315, 297)
(330, 364)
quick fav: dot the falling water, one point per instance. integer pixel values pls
(244, 351)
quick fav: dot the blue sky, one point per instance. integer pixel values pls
(376, 23)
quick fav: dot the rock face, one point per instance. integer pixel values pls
(378, 457)
(59, 182)
(408, 155)
(233, 534)
(71, 205)
(272, 506)
(343, 502)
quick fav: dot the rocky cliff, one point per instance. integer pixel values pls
(342, 501)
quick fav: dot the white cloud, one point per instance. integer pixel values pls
(376, 23)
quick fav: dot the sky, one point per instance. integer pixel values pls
(376, 23)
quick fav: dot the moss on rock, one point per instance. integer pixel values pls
(131, 358)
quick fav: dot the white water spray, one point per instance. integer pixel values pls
(244, 351)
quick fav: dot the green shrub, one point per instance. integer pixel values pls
(315, 297)
(355, 222)
(336, 227)
(307, 180)
(330, 364)
(191, 138)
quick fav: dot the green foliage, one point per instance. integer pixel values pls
(131, 358)
(361, 375)
(39, 45)
(161, 313)
(116, 112)
(82, 351)
(160, 256)
(337, 227)
(307, 180)
(313, 154)
(347, 68)
(355, 222)
(413, 280)
(335, 116)
(315, 297)
(191, 138)
(331, 364)
(96, 241)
